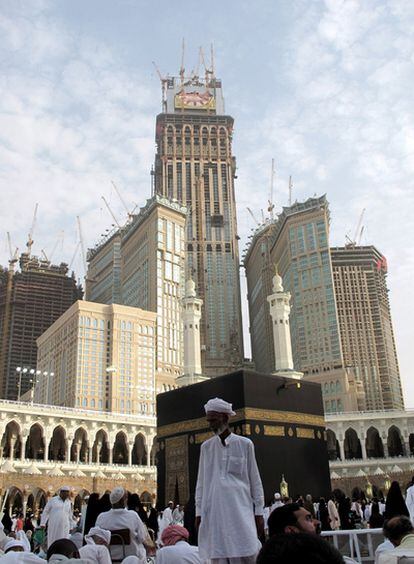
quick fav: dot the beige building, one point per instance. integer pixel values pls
(99, 357)
(365, 324)
(298, 243)
(142, 266)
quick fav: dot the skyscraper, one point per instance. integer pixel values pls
(142, 266)
(298, 243)
(30, 301)
(102, 358)
(194, 164)
(365, 324)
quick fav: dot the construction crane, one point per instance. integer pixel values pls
(12, 255)
(356, 240)
(272, 180)
(253, 216)
(182, 68)
(164, 81)
(111, 212)
(130, 215)
(59, 239)
(290, 190)
(30, 241)
(74, 255)
(82, 246)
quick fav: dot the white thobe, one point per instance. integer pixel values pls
(180, 553)
(335, 521)
(409, 501)
(229, 494)
(95, 553)
(116, 519)
(58, 515)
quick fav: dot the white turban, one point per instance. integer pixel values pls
(116, 494)
(277, 495)
(12, 543)
(131, 560)
(98, 532)
(65, 489)
(220, 406)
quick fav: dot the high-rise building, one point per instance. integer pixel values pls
(297, 241)
(365, 324)
(142, 265)
(194, 164)
(30, 301)
(102, 357)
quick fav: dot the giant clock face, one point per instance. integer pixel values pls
(194, 100)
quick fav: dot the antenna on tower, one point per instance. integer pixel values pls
(272, 181)
(182, 69)
(290, 190)
(163, 81)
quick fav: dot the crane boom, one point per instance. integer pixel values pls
(290, 190)
(358, 227)
(121, 198)
(111, 212)
(82, 246)
(253, 216)
(30, 241)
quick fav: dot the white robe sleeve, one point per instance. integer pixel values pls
(200, 483)
(45, 514)
(256, 487)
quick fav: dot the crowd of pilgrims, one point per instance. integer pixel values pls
(170, 537)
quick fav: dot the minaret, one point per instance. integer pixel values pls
(191, 315)
(279, 304)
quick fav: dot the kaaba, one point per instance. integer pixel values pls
(283, 417)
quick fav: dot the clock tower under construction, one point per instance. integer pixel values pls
(194, 165)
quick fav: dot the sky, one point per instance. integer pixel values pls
(325, 87)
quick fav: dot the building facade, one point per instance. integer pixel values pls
(298, 243)
(365, 324)
(194, 164)
(102, 358)
(142, 266)
(30, 301)
(43, 446)
(368, 450)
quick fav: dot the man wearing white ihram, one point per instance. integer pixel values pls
(229, 493)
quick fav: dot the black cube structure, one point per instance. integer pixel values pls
(283, 417)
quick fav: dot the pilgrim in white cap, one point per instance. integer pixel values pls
(116, 495)
(95, 550)
(219, 406)
(59, 516)
(65, 489)
(15, 546)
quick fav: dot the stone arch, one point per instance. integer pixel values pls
(373, 444)
(153, 452)
(352, 444)
(35, 444)
(80, 444)
(30, 504)
(120, 449)
(15, 500)
(146, 498)
(100, 449)
(58, 444)
(139, 452)
(11, 442)
(394, 442)
(411, 443)
(40, 499)
(332, 445)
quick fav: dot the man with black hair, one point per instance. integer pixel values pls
(291, 518)
(300, 547)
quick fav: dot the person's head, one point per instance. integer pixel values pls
(285, 549)
(64, 492)
(308, 498)
(174, 533)
(218, 413)
(118, 497)
(171, 504)
(14, 545)
(396, 528)
(291, 518)
(322, 503)
(99, 536)
(278, 497)
(65, 547)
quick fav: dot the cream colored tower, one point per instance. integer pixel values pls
(279, 304)
(191, 316)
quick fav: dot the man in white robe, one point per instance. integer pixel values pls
(409, 500)
(121, 518)
(229, 493)
(59, 516)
